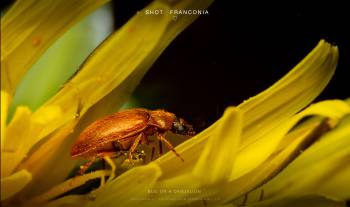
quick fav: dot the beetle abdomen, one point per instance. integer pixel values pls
(108, 129)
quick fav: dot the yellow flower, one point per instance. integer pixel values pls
(244, 149)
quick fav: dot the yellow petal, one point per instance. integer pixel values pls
(323, 168)
(68, 201)
(334, 110)
(67, 186)
(45, 158)
(259, 151)
(175, 191)
(225, 205)
(129, 189)
(303, 201)
(17, 129)
(21, 130)
(290, 94)
(14, 183)
(239, 186)
(4, 110)
(220, 150)
(26, 32)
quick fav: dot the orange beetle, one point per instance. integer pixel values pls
(124, 131)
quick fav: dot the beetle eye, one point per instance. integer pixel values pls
(181, 128)
(178, 128)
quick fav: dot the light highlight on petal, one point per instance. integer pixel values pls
(220, 150)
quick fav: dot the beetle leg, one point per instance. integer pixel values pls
(85, 166)
(169, 145)
(113, 167)
(134, 145)
(152, 154)
(160, 147)
(153, 147)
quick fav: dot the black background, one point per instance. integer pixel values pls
(237, 51)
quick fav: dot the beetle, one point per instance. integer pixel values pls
(124, 131)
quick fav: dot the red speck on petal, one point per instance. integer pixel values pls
(36, 41)
(131, 29)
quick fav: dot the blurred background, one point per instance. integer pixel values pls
(222, 59)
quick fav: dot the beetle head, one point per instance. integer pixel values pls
(180, 126)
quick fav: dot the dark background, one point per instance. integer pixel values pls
(237, 51)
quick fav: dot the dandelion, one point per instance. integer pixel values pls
(247, 157)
